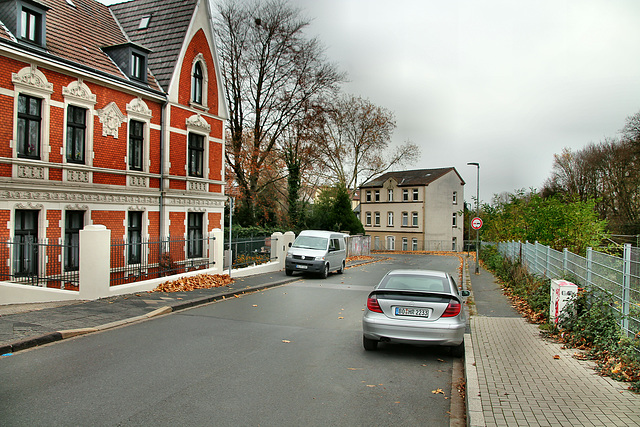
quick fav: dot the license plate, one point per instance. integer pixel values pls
(301, 267)
(412, 311)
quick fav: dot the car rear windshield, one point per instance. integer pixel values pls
(310, 242)
(416, 283)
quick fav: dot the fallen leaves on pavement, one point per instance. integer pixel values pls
(201, 281)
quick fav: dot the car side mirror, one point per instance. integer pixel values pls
(465, 293)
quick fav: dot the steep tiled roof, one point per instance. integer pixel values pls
(168, 24)
(410, 178)
(78, 33)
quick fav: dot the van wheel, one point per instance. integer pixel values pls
(288, 272)
(341, 270)
(325, 271)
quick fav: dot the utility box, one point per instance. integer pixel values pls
(561, 293)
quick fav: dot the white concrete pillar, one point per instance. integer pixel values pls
(95, 262)
(216, 250)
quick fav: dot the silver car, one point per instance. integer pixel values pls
(415, 307)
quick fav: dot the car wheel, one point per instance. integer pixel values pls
(458, 350)
(325, 271)
(369, 344)
(288, 272)
(341, 270)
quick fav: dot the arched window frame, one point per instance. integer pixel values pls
(199, 84)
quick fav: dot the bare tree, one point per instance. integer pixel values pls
(355, 139)
(271, 71)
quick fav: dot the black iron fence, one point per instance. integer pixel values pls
(150, 259)
(250, 251)
(39, 263)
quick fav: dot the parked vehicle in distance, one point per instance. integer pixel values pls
(415, 307)
(316, 251)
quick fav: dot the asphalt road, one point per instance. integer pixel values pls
(290, 355)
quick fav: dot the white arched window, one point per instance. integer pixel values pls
(199, 82)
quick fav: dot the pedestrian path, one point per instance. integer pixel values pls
(515, 377)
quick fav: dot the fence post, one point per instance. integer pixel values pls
(626, 288)
(95, 262)
(546, 268)
(565, 261)
(589, 265)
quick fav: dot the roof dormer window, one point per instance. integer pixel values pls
(137, 66)
(31, 26)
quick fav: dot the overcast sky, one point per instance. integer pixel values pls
(505, 83)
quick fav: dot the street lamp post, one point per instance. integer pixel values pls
(477, 165)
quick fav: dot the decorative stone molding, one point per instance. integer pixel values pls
(139, 107)
(196, 209)
(80, 91)
(138, 181)
(196, 121)
(197, 186)
(33, 78)
(111, 118)
(77, 176)
(29, 205)
(137, 208)
(76, 207)
(31, 172)
(73, 197)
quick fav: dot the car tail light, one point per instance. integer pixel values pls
(372, 304)
(453, 309)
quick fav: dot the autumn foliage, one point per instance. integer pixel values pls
(201, 281)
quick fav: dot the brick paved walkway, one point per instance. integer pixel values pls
(521, 384)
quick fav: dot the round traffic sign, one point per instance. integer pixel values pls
(476, 223)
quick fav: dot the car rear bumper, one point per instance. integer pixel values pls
(413, 332)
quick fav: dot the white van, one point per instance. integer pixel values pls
(317, 251)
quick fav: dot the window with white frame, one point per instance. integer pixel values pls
(377, 195)
(390, 219)
(390, 195)
(454, 244)
(455, 197)
(405, 195)
(199, 82)
(73, 223)
(196, 154)
(29, 126)
(405, 244)
(376, 219)
(454, 221)
(25, 251)
(405, 219)
(414, 219)
(414, 244)
(78, 136)
(391, 243)
(368, 196)
(139, 116)
(195, 234)
(367, 216)
(32, 99)
(134, 237)
(76, 133)
(415, 194)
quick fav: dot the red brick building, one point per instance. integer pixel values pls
(109, 115)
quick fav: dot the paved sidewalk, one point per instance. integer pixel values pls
(514, 379)
(23, 326)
